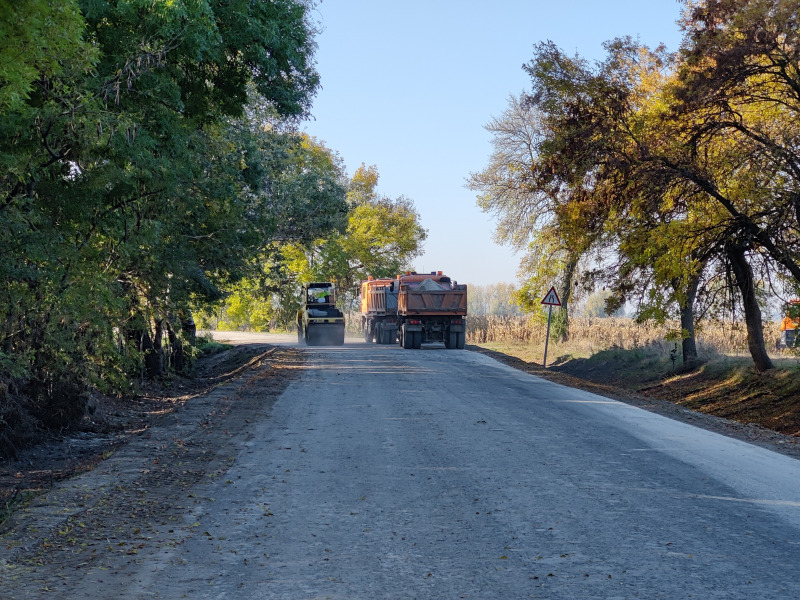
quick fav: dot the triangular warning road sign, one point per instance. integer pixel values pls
(552, 298)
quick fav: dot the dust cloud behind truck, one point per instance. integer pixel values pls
(413, 309)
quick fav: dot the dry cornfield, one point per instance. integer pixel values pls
(593, 334)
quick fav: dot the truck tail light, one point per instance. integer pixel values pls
(413, 322)
(457, 322)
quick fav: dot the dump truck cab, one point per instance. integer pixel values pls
(319, 322)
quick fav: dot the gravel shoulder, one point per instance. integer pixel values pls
(135, 475)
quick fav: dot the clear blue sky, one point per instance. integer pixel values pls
(408, 86)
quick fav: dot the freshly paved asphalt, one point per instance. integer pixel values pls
(432, 474)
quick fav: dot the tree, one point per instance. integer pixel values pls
(719, 150)
(597, 193)
(39, 40)
(303, 202)
(307, 189)
(349, 234)
(382, 237)
(669, 165)
(177, 72)
(524, 191)
(494, 299)
(664, 204)
(738, 88)
(596, 306)
(128, 188)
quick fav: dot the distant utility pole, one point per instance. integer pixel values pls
(551, 300)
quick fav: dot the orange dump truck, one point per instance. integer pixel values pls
(379, 310)
(413, 309)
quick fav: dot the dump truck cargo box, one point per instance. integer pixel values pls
(422, 302)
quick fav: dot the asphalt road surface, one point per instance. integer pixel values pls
(442, 474)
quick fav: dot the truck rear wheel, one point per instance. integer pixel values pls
(450, 339)
(406, 338)
(417, 342)
(454, 340)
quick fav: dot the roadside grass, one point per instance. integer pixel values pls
(209, 347)
(652, 361)
(20, 499)
(723, 384)
(731, 388)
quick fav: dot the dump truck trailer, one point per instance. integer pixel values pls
(379, 311)
(414, 309)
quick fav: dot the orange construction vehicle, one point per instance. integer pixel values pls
(379, 311)
(789, 326)
(415, 308)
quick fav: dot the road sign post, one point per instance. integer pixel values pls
(551, 300)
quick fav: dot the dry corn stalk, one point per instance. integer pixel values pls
(602, 333)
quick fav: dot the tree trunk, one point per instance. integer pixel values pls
(152, 356)
(176, 353)
(561, 318)
(743, 275)
(155, 359)
(188, 328)
(150, 347)
(689, 342)
(182, 333)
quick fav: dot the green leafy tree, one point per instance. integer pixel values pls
(678, 168)
(304, 202)
(612, 128)
(567, 173)
(131, 186)
(382, 237)
(40, 40)
(737, 91)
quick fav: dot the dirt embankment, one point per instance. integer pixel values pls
(143, 457)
